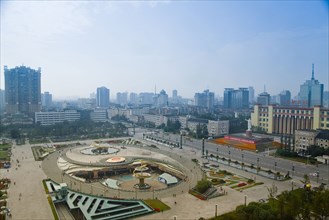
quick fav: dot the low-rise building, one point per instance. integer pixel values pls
(218, 128)
(304, 139)
(99, 115)
(50, 118)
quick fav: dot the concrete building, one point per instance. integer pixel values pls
(103, 97)
(218, 128)
(304, 139)
(285, 120)
(50, 118)
(193, 123)
(99, 115)
(311, 92)
(322, 139)
(155, 119)
(22, 90)
(204, 99)
(86, 103)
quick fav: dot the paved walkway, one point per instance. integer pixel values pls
(27, 182)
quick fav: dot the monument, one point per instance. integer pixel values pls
(248, 131)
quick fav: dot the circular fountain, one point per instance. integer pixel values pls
(141, 174)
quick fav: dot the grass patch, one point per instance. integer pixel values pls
(53, 209)
(157, 205)
(250, 185)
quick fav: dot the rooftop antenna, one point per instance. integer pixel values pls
(264, 88)
(312, 71)
(155, 89)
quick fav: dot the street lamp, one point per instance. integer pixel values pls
(293, 169)
(217, 153)
(257, 162)
(229, 154)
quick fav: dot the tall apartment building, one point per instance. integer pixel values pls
(103, 97)
(311, 92)
(204, 99)
(162, 99)
(122, 98)
(286, 120)
(146, 98)
(236, 99)
(22, 90)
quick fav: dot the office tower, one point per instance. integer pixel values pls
(122, 98)
(174, 95)
(285, 98)
(311, 92)
(103, 97)
(133, 98)
(46, 99)
(251, 94)
(162, 98)
(22, 90)
(146, 98)
(236, 99)
(326, 99)
(2, 100)
(263, 99)
(205, 99)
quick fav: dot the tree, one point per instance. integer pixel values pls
(202, 186)
(15, 134)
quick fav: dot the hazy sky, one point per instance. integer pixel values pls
(187, 45)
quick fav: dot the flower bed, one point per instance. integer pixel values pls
(198, 195)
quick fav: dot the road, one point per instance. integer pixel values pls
(262, 159)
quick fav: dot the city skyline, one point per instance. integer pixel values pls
(174, 45)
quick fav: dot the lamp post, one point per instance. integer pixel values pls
(293, 169)
(292, 185)
(229, 154)
(245, 200)
(217, 154)
(257, 162)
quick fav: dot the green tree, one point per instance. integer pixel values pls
(202, 186)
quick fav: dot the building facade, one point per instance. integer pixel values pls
(22, 90)
(285, 120)
(284, 98)
(218, 128)
(103, 97)
(50, 118)
(236, 99)
(264, 99)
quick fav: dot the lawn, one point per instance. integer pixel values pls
(156, 204)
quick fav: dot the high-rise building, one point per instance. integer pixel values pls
(22, 90)
(103, 97)
(174, 96)
(2, 100)
(122, 98)
(146, 98)
(311, 92)
(285, 98)
(46, 99)
(205, 99)
(133, 98)
(251, 94)
(162, 98)
(236, 99)
(264, 99)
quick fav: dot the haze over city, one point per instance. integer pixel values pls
(188, 46)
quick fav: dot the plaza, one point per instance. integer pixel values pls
(175, 197)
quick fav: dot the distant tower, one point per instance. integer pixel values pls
(311, 92)
(22, 90)
(103, 97)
